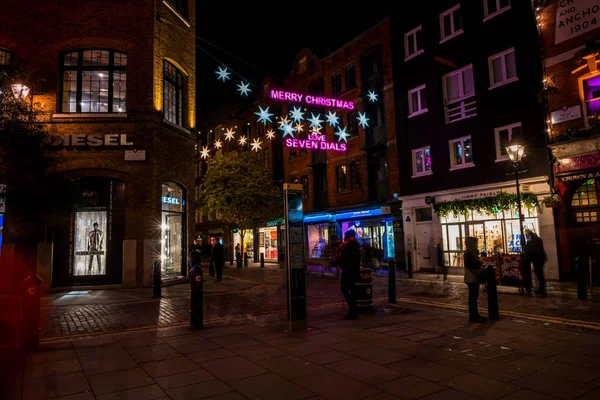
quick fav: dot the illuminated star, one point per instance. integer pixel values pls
(243, 88)
(242, 140)
(297, 114)
(372, 96)
(315, 121)
(287, 129)
(362, 119)
(256, 145)
(264, 115)
(204, 152)
(229, 134)
(316, 130)
(299, 127)
(218, 144)
(342, 135)
(223, 74)
(270, 134)
(283, 121)
(332, 119)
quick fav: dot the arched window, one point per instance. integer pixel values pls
(173, 94)
(173, 229)
(94, 81)
(585, 201)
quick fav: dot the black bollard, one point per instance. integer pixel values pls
(196, 298)
(492, 294)
(238, 260)
(156, 279)
(392, 281)
(262, 260)
(409, 266)
(581, 277)
(245, 259)
(31, 312)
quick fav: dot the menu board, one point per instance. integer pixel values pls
(508, 269)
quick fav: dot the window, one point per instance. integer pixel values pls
(352, 123)
(350, 76)
(4, 57)
(423, 214)
(504, 135)
(180, 6)
(293, 153)
(412, 43)
(173, 229)
(461, 153)
(458, 87)
(198, 216)
(450, 23)
(503, 68)
(355, 175)
(421, 161)
(266, 157)
(198, 170)
(340, 174)
(304, 181)
(336, 83)
(302, 65)
(491, 8)
(586, 216)
(585, 195)
(94, 81)
(417, 101)
(591, 96)
(173, 94)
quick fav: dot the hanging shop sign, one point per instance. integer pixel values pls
(113, 139)
(311, 100)
(575, 17)
(565, 114)
(315, 142)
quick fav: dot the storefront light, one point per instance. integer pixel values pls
(515, 152)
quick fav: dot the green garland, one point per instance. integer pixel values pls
(491, 205)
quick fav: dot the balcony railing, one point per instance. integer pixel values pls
(460, 110)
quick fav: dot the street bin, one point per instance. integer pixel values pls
(364, 289)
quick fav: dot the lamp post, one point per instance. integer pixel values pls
(515, 152)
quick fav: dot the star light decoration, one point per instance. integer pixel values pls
(223, 74)
(362, 119)
(242, 140)
(297, 114)
(270, 134)
(204, 152)
(283, 121)
(218, 144)
(316, 130)
(264, 115)
(287, 129)
(342, 135)
(229, 134)
(372, 96)
(314, 120)
(332, 118)
(299, 127)
(256, 145)
(243, 88)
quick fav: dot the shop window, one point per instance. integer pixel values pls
(4, 57)
(491, 8)
(417, 101)
(172, 229)
(503, 68)
(304, 181)
(173, 98)
(336, 83)
(461, 153)
(94, 81)
(180, 6)
(267, 243)
(355, 175)
(350, 76)
(341, 174)
(591, 93)
(352, 123)
(503, 136)
(459, 88)
(421, 161)
(413, 45)
(585, 195)
(318, 239)
(450, 23)
(302, 65)
(423, 214)
(586, 216)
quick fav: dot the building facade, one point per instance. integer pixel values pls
(118, 100)
(459, 104)
(570, 30)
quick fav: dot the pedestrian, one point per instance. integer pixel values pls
(534, 250)
(218, 259)
(194, 254)
(473, 275)
(432, 254)
(348, 258)
(441, 261)
(238, 255)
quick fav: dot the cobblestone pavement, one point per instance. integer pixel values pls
(401, 353)
(252, 291)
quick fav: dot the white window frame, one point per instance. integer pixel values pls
(510, 127)
(412, 35)
(414, 164)
(421, 91)
(454, 32)
(453, 165)
(487, 16)
(502, 56)
(463, 105)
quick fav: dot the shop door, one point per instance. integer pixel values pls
(478, 231)
(424, 235)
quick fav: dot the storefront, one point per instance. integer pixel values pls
(172, 230)
(267, 243)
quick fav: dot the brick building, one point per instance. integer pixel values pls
(118, 98)
(569, 30)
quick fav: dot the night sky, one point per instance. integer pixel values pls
(270, 39)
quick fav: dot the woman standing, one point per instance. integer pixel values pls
(472, 273)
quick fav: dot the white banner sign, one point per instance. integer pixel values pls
(565, 114)
(575, 17)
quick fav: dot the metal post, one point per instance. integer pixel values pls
(156, 278)
(262, 260)
(392, 281)
(245, 259)
(521, 217)
(31, 312)
(492, 294)
(409, 265)
(196, 298)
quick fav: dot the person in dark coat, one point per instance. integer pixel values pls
(218, 259)
(348, 258)
(441, 261)
(534, 250)
(194, 254)
(472, 271)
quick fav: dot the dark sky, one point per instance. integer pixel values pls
(270, 38)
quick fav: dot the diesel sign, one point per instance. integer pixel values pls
(90, 140)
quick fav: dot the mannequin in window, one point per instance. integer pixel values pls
(95, 245)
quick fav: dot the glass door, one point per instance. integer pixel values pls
(478, 231)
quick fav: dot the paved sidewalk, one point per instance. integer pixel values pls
(395, 353)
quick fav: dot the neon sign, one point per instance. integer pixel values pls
(314, 141)
(308, 99)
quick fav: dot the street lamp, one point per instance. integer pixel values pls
(516, 151)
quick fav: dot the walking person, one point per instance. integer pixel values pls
(194, 254)
(441, 261)
(534, 250)
(218, 259)
(348, 258)
(238, 256)
(473, 273)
